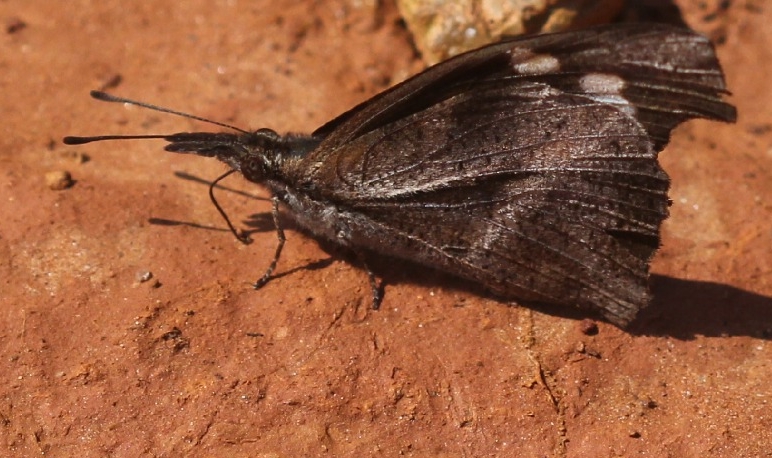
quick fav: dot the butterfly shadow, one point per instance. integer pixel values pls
(258, 222)
(685, 309)
(682, 309)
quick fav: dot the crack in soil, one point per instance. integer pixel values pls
(544, 378)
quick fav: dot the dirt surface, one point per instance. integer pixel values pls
(128, 326)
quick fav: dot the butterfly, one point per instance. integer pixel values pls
(528, 166)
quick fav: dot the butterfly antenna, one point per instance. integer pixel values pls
(105, 97)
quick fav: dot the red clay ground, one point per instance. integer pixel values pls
(94, 362)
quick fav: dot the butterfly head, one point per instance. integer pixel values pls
(255, 154)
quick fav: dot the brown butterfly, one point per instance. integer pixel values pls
(528, 166)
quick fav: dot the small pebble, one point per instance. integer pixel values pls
(14, 25)
(75, 157)
(588, 327)
(111, 82)
(143, 276)
(59, 180)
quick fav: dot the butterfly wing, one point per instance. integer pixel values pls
(529, 166)
(671, 75)
(525, 196)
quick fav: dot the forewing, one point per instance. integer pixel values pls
(671, 74)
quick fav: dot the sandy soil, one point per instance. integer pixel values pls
(94, 361)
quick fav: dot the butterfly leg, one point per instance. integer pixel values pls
(280, 235)
(375, 286)
(242, 237)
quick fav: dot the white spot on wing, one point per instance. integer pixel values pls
(526, 62)
(607, 89)
(602, 83)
